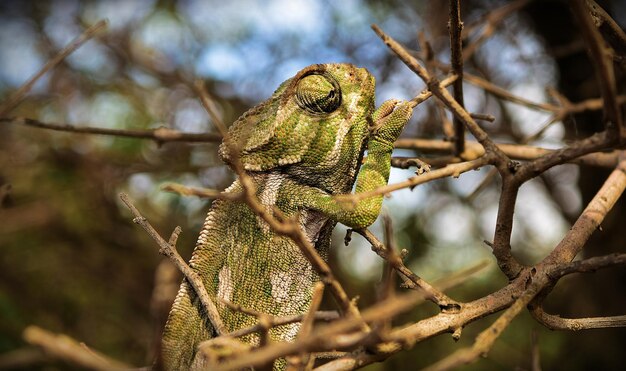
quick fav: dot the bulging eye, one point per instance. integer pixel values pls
(318, 94)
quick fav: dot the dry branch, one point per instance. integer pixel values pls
(611, 31)
(589, 265)
(69, 350)
(435, 87)
(21, 92)
(303, 360)
(429, 291)
(538, 278)
(169, 249)
(328, 337)
(452, 170)
(554, 322)
(159, 135)
(455, 27)
(602, 58)
(528, 285)
(280, 321)
(474, 150)
(490, 22)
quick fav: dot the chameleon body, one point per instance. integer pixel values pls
(300, 147)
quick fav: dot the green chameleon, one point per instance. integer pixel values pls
(300, 147)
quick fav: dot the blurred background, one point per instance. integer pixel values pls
(71, 261)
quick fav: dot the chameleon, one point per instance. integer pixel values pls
(300, 148)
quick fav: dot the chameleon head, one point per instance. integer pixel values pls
(314, 123)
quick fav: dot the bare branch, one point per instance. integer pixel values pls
(611, 31)
(453, 170)
(429, 327)
(602, 58)
(326, 338)
(535, 355)
(159, 135)
(430, 292)
(170, 251)
(589, 265)
(20, 93)
(455, 26)
(280, 321)
(474, 150)
(305, 361)
(576, 324)
(184, 190)
(71, 351)
(434, 85)
(539, 276)
(492, 20)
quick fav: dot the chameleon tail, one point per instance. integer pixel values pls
(186, 327)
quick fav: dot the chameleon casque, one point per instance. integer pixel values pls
(300, 147)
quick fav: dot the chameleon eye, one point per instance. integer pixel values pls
(318, 94)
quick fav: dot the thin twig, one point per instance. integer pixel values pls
(170, 251)
(21, 92)
(474, 150)
(434, 85)
(430, 292)
(611, 31)
(560, 110)
(304, 361)
(326, 338)
(70, 350)
(576, 324)
(184, 190)
(493, 20)
(209, 105)
(159, 135)
(538, 277)
(453, 170)
(455, 27)
(589, 265)
(535, 355)
(506, 95)
(425, 94)
(281, 321)
(602, 58)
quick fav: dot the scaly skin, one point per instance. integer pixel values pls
(300, 147)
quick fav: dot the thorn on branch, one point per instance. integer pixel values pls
(456, 335)
(174, 236)
(139, 220)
